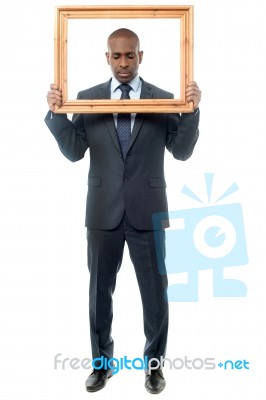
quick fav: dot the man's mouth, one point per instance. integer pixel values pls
(124, 73)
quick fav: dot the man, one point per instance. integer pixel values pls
(126, 187)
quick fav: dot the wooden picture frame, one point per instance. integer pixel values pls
(184, 14)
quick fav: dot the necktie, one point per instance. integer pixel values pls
(124, 122)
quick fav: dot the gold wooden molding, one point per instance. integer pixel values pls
(183, 13)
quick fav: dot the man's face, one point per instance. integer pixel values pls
(124, 58)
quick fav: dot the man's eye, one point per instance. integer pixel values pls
(131, 56)
(116, 57)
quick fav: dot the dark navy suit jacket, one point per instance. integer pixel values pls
(137, 184)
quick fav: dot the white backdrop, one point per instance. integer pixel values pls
(44, 278)
(163, 72)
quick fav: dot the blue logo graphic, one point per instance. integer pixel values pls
(230, 364)
(211, 237)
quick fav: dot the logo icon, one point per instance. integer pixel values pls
(210, 237)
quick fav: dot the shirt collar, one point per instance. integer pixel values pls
(134, 83)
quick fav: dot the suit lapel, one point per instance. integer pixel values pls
(104, 93)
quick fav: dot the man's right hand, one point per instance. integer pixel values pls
(54, 97)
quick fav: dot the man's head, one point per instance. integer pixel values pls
(123, 54)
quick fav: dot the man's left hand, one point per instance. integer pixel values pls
(193, 93)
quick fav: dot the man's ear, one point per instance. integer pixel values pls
(107, 55)
(140, 56)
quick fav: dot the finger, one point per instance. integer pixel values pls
(53, 86)
(192, 86)
(55, 92)
(58, 102)
(192, 90)
(194, 98)
(192, 83)
(53, 96)
(52, 100)
(193, 95)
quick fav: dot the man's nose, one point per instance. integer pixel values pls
(123, 62)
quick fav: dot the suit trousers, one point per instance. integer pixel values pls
(105, 253)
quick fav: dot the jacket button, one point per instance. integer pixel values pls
(126, 179)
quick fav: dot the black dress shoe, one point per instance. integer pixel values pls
(97, 379)
(154, 381)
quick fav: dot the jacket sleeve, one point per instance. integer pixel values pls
(183, 133)
(70, 135)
